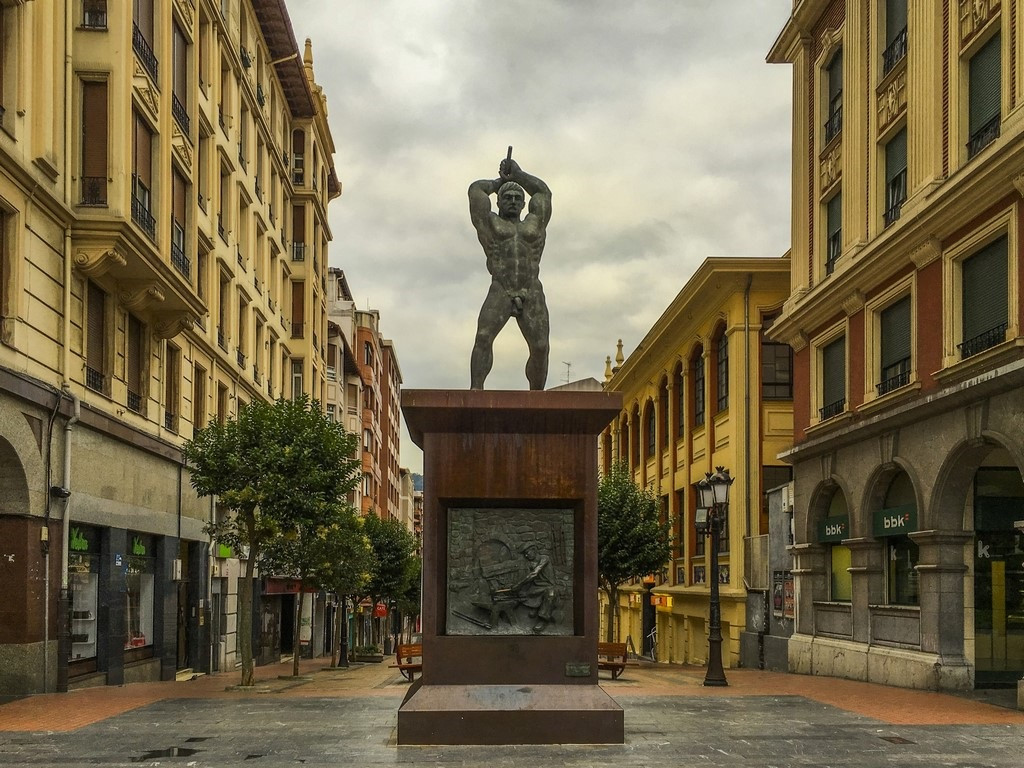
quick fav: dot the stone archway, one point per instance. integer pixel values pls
(14, 496)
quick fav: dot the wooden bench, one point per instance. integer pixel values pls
(612, 656)
(409, 659)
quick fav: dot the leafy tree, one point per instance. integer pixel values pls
(631, 539)
(394, 562)
(409, 601)
(275, 468)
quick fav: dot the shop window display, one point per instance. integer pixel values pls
(139, 580)
(84, 579)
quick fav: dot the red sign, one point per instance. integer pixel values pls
(380, 610)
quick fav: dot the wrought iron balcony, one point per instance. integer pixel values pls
(257, 377)
(298, 251)
(220, 227)
(983, 341)
(834, 124)
(94, 379)
(261, 99)
(894, 376)
(245, 57)
(259, 189)
(297, 330)
(332, 373)
(142, 217)
(832, 409)
(170, 419)
(894, 53)
(241, 155)
(202, 201)
(144, 51)
(94, 190)
(180, 261)
(895, 194)
(238, 254)
(180, 114)
(240, 358)
(134, 401)
(220, 120)
(982, 137)
(221, 341)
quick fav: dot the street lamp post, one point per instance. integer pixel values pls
(713, 506)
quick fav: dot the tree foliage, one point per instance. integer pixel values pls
(632, 540)
(276, 469)
(394, 561)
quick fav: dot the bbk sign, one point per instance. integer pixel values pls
(897, 521)
(834, 529)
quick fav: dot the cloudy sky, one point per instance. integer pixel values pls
(660, 129)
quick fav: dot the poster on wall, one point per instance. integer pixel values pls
(777, 596)
(788, 596)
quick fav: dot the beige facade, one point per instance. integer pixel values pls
(905, 313)
(164, 181)
(704, 388)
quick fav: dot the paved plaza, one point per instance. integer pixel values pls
(348, 718)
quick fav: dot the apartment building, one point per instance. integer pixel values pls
(165, 170)
(704, 388)
(905, 315)
(344, 382)
(389, 498)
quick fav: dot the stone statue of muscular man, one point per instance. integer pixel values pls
(513, 248)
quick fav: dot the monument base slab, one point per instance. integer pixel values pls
(509, 714)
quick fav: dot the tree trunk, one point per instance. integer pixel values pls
(297, 642)
(245, 620)
(336, 645)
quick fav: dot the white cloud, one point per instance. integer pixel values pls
(661, 131)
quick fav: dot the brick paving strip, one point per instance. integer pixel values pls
(893, 706)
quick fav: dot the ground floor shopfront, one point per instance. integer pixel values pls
(909, 555)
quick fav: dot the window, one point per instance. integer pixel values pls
(96, 338)
(201, 277)
(330, 413)
(650, 421)
(698, 387)
(664, 414)
(179, 89)
(94, 14)
(776, 364)
(142, 175)
(634, 437)
(895, 34)
(298, 309)
(677, 382)
(902, 582)
(296, 379)
(139, 576)
(134, 364)
(94, 142)
(298, 158)
(298, 233)
(172, 375)
(367, 353)
(179, 194)
(722, 372)
(142, 36)
(984, 97)
(984, 303)
(222, 404)
(895, 353)
(833, 231)
(837, 523)
(834, 78)
(833, 379)
(895, 176)
(198, 398)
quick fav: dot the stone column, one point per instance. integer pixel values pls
(112, 630)
(810, 582)
(942, 568)
(867, 568)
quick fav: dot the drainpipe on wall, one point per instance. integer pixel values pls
(746, 394)
(64, 602)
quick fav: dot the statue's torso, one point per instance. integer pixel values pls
(513, 250)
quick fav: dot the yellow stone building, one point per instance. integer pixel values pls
(165, 171)
(705, 388)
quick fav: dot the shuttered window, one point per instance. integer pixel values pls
(180, 193)
(984, 87)
(299, 223)
(833, 377)
(649, 422)
(985, 305)
(895, 175)
(180, 53)
(895, 329)
(722, 373)
(133, 363)
(698, 389)
(142, 159)
(298, 308)
(94, 142)
(198, 398)
(96, 337)
(172, 374)
(895, 19)
(680, 402)
(833, 231)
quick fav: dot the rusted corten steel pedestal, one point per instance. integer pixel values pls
(493, 450)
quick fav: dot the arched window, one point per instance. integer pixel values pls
(722, 371)
(836, 528)
(677, 382)
(650, 421)
(663, 411)
(898, 518)
(634, 438)
(697, 366)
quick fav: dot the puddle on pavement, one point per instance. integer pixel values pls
(155, 754)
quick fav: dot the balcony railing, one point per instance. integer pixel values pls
(297, 330)
(180, 261)
(169, 420)
(241, 155)
(895, 194)
(142, 217)
(94, 190)
(221, 341)
(832, 409)
(894, 53)
(220, 120)
(257, 377)
(833, 247)
(270, 387)
(94, 14)
(332, 373)
(894, 376)
(240, 358)
(144, 51)
(270, 213)
(180, 114)
(834, 124)
(94, 379)
(298, 170)
(261, 99)
(134, 401)
(298, 251)
(982, 137)
(238, 256)
(246, 58)
(982, 341)
(259, 189)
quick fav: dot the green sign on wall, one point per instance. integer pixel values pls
(896, 521)
(834, 529)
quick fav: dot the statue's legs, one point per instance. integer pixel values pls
(534, 324)
(494, 313)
